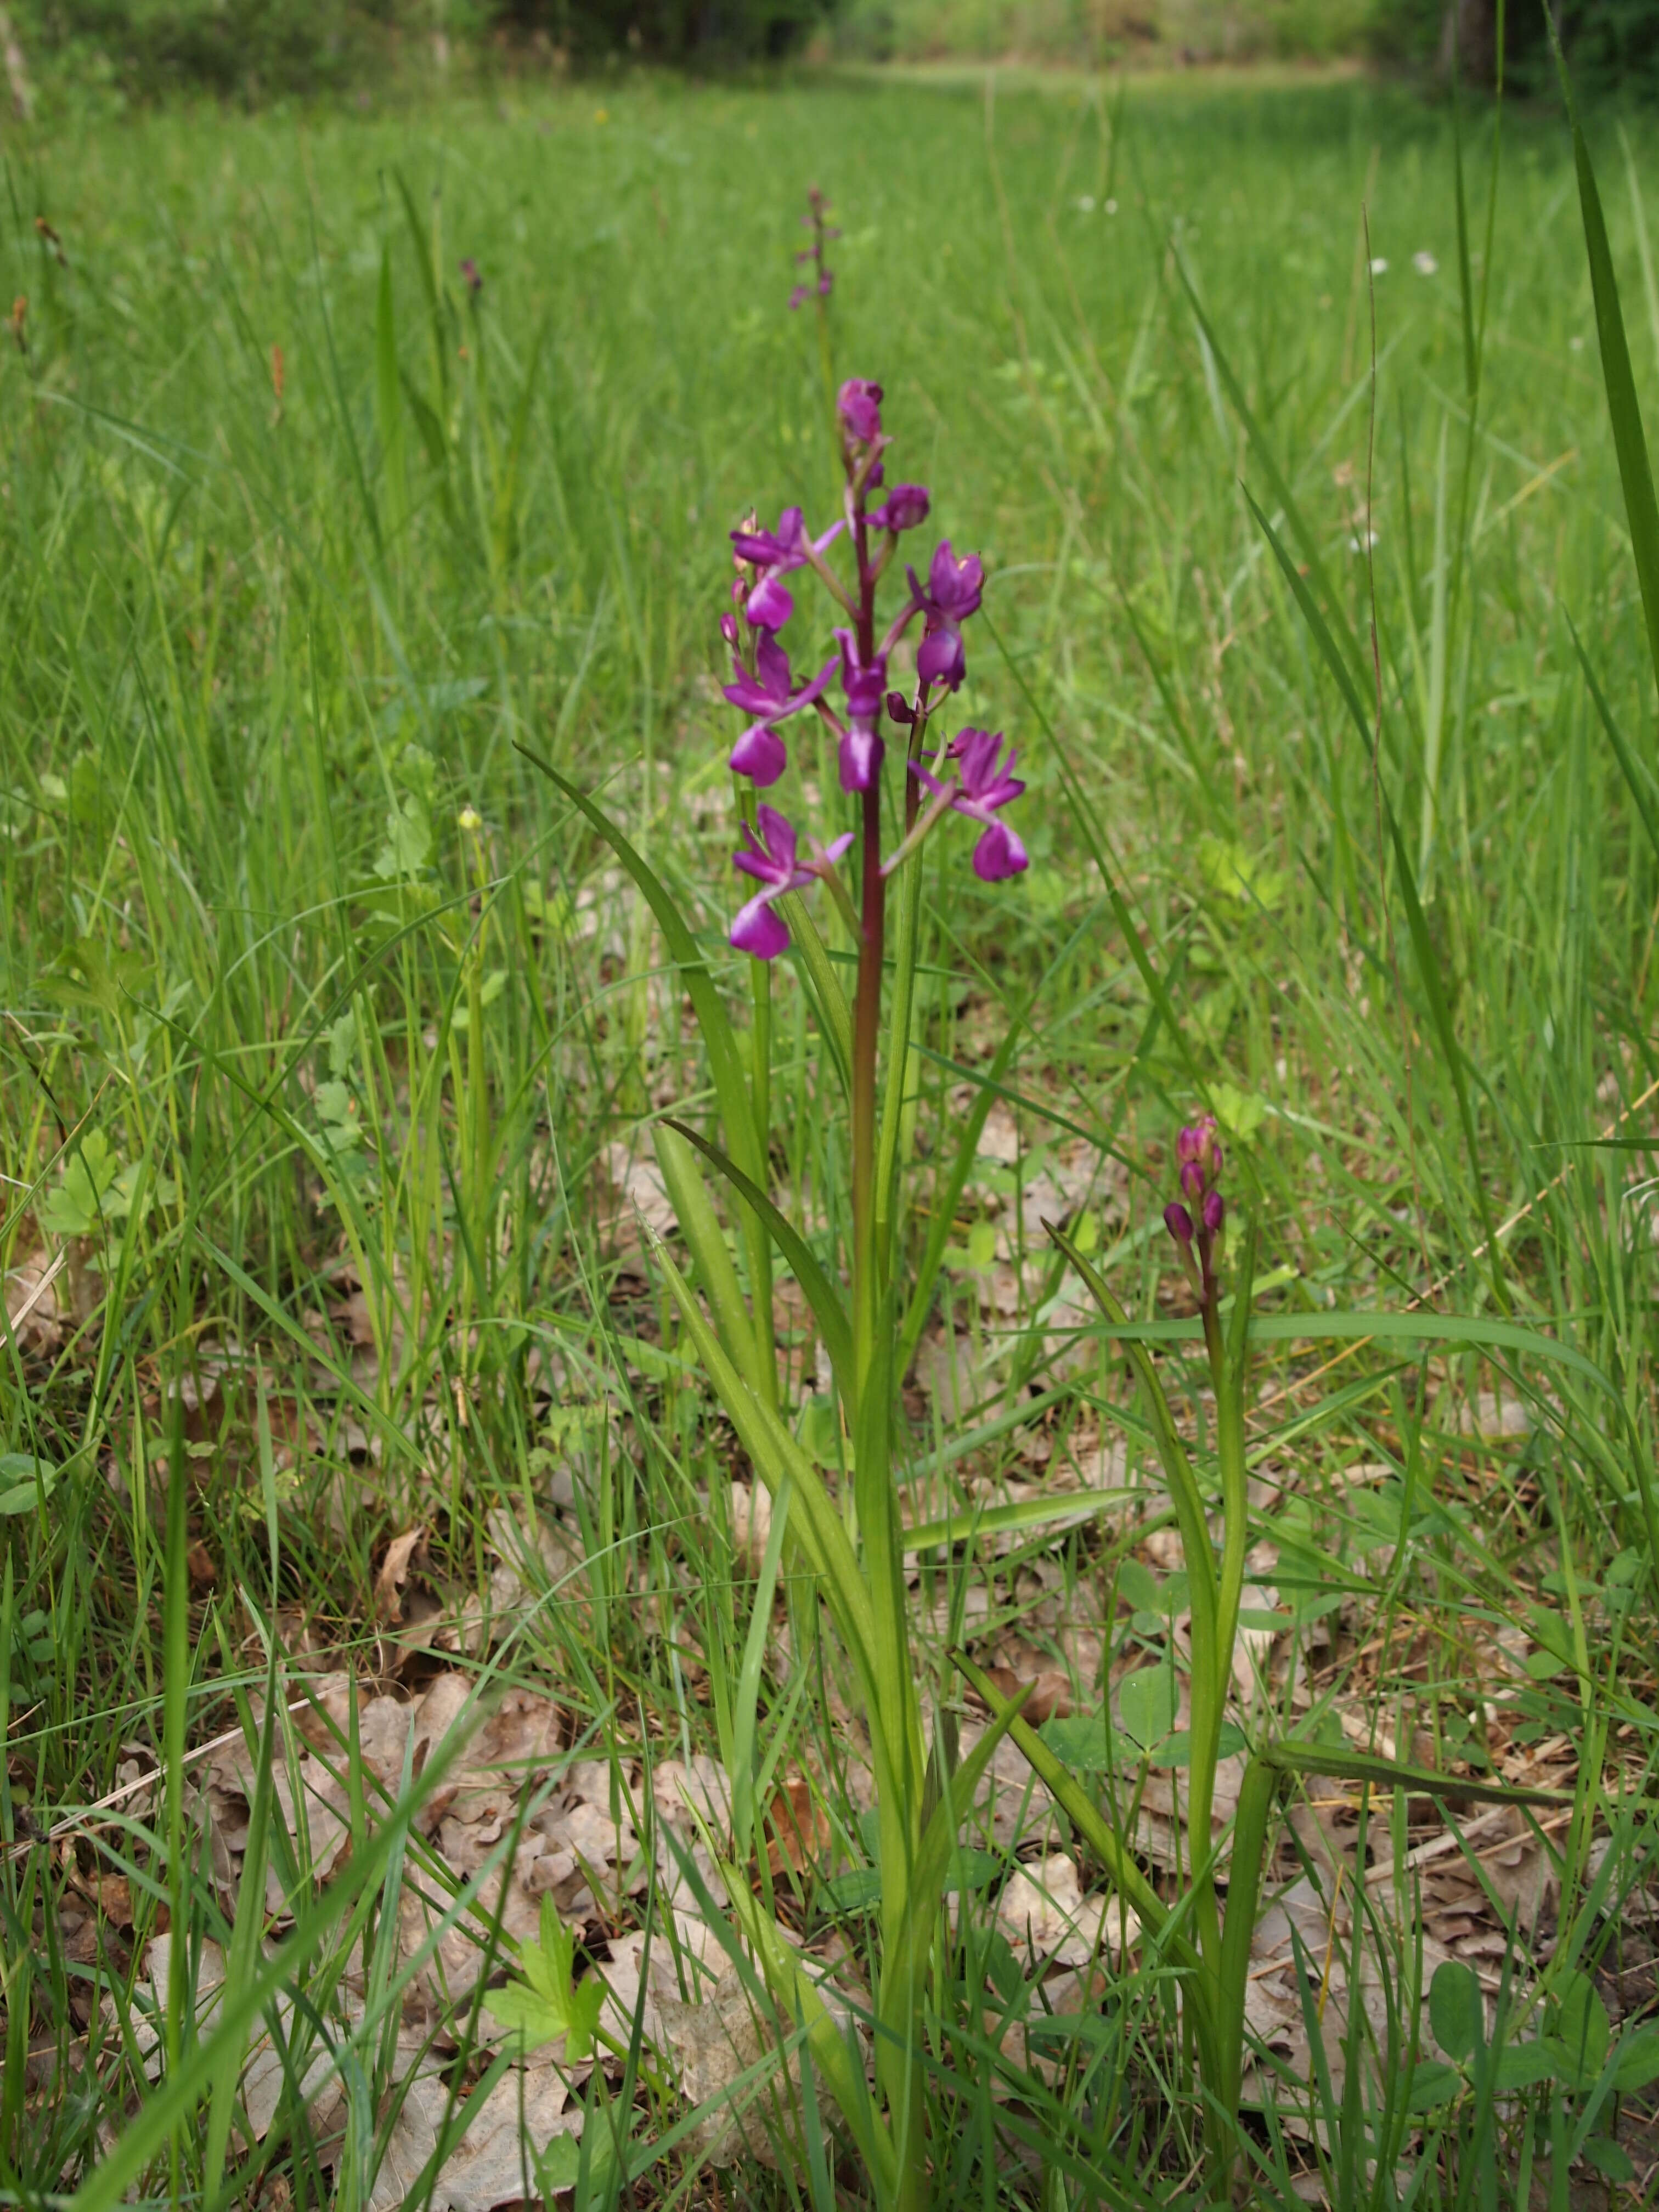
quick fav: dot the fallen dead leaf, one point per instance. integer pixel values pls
(393, 1574)
(797, 1826)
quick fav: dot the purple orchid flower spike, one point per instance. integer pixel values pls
(777, 554)
(904, 508)
(953, 592)
(769, 695)
(861, 748)
(470, 278)
(821, 286)
(771, 859)
(1199, 1160)
(985, 784)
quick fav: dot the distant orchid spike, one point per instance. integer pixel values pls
(470, 278)
(770, 696)
(777, 554)
(952, 594)
(772, 859)
(820, 285)
(985, 783)
(1199, 1160)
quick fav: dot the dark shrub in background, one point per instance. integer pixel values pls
(1613, 44)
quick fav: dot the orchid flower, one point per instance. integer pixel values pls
(767, 695)
(777, 554)
(984, 784)
(954, 588)
(770, 858)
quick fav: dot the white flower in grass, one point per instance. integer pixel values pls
(1425, 262)
(1379, 265)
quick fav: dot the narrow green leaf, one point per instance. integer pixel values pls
(1418, 1327)
(1069, 1510)
(1343, 1765)
(944, 1203)
(1315, 621)
(725, 1062)
(836, 1020)
(1629, 443)
(1428, 967)
(1640, 785)
(819, 1291)
(706, 1240)
(1078, 1808)
(1285, 498)
(819, 1530)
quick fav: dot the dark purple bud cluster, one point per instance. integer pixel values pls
(469, 277)
(822, 281)
(1197, 1225)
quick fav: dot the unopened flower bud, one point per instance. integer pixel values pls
(858, 404)
(1215, 1213)
(1179, 1222)
(470, 278)
(899, 709)
(729, 630)
(1192, 1182)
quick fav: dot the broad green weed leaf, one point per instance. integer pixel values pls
(1147, 1704)
(408, 846)
(1582, 2028)
(1525, 2065)
(77, 1207)
(1456, 2009)
(1433, 2083)
(24, 1480)
(547, 2004)
(1638, 2061)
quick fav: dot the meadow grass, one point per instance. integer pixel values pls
(325, 1017)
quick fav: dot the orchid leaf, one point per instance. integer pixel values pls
(819, 1291)
(701, 1228)
(725, 1061)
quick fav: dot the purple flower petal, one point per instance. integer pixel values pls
(778, 835)
(858, 404)
(861, 752)
(904, 508)
(941, 658)
(999, 854)
(760, 753)
(770, 604)
(758, 931)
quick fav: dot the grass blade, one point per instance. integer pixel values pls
(1629, 443)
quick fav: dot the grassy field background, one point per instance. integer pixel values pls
(329, 1035)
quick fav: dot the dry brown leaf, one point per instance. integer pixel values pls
(1051, 1692)
(393, 1574)
(796, 1826)
(751, 1522)
(36, 1306)
(494, 2161)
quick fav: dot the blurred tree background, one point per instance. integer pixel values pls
(258, 50)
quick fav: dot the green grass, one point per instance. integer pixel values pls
(312, 1076)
